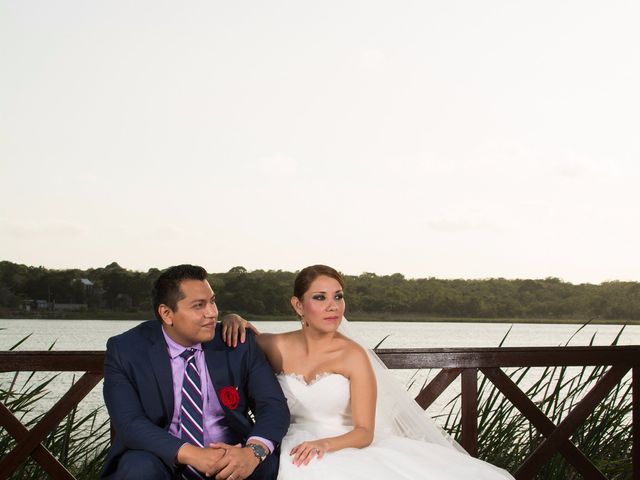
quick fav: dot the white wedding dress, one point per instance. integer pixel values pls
(321, 409)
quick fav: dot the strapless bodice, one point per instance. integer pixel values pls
(323, 401)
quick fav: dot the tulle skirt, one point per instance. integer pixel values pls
(388, 457)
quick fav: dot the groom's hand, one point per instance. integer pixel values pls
(237, 463)
(205, 460)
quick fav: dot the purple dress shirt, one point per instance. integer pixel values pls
(215, 423)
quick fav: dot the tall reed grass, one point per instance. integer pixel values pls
(80, 441)
(506, 438)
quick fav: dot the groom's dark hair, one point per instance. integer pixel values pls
(166, 289)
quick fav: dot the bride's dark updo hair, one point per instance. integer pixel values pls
(307, 275)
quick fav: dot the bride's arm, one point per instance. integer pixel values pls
(363, 408)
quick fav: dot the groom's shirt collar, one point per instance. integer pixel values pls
(175, 349)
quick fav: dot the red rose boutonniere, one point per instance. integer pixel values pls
(229, 397)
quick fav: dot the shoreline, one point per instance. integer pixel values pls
(355, 317)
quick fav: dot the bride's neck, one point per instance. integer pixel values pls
(316, 341)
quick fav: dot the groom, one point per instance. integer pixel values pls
(183, 404)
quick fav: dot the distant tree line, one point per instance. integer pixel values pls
(261, 292)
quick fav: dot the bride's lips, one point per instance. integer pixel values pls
(331, 319)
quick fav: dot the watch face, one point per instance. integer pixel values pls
(258, 450)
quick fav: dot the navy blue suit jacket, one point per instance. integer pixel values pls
(138, 392)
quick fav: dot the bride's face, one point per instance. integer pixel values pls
(322, 306)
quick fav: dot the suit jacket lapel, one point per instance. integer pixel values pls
(217, 365)
(161, 365)
(217, 360)
(221, 374)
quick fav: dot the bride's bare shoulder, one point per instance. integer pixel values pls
(275, 341)
(352, 351)
(274, 345)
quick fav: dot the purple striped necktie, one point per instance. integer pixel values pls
(191, 409)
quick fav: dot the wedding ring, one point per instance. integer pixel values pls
(231, 477)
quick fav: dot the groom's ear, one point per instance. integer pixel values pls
(297, 305)
(166, 314)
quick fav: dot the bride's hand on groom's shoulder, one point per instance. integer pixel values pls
(306, 451)
(234, 328)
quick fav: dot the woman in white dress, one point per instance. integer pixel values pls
(331, 389)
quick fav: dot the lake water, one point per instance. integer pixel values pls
(93, 335)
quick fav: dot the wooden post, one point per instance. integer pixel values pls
(470, 411)
(635, 422)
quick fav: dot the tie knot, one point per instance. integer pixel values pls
(188, 353)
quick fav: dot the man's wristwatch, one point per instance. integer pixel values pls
(258, 450)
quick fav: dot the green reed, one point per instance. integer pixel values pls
(79, 442)
(506, 438)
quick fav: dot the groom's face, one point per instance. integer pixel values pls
(194, 319)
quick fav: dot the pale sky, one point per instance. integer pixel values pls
(455, 139)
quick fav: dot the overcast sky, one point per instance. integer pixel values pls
(455, 139)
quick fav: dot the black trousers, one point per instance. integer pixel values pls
(141, 465)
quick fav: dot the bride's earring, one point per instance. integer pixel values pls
(302, 322)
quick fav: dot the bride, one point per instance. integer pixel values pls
(333, 384)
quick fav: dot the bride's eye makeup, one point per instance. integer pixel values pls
(321, 296)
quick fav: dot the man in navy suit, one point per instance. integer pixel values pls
(244, 414)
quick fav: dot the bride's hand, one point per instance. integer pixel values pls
(303, 453)
(234, 327)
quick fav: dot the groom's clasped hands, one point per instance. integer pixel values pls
(220, 460)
